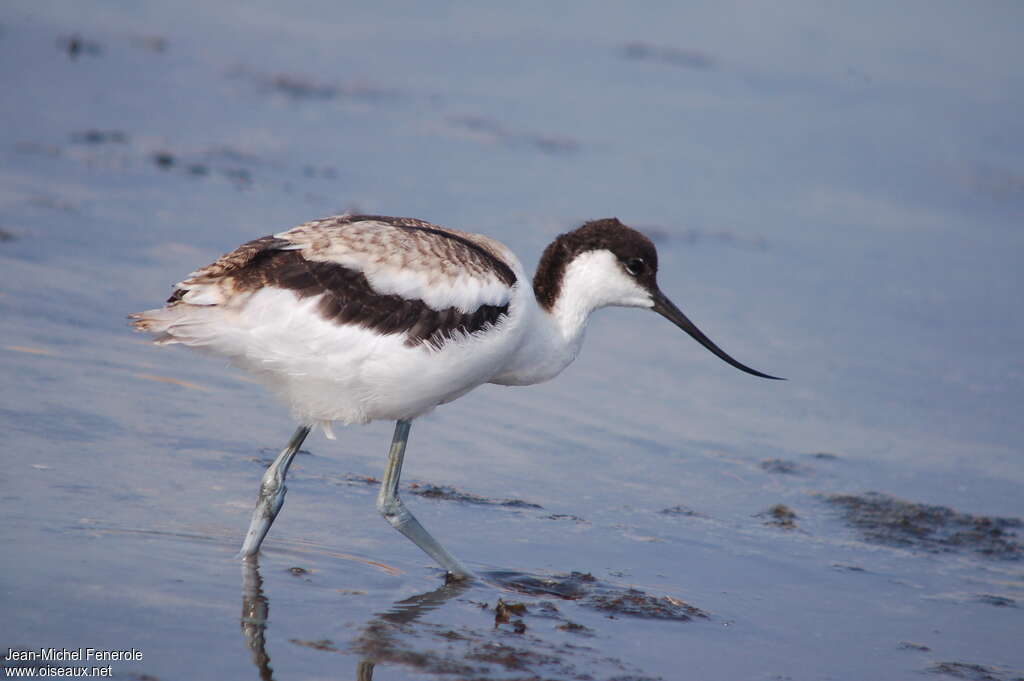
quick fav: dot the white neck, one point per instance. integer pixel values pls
(591, 281)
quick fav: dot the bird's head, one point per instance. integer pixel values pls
(605, 263)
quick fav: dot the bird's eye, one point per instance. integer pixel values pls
(635, 266)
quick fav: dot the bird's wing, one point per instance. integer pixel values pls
(392, 275)
(412, 259)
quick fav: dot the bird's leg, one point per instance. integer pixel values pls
(271, 497)
(395, 512)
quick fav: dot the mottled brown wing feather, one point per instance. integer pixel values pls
(347, 297)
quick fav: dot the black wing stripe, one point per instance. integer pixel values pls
(349, 299)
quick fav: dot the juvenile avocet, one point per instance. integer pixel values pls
(355, 318)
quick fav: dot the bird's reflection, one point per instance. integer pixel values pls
(256, 614)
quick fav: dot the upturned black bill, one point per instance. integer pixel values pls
(667, 309)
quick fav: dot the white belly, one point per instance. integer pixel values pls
(330, 372)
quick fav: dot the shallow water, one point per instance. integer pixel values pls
(836, 195)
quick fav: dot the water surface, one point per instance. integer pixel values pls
(836, 195)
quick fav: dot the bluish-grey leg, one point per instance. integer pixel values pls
(395, 512)
(271, 498)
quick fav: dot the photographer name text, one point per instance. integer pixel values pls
(73, 654)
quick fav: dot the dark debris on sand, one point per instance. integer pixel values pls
(509, 647)
(95, 136)
(565, 516)
(672, 56)
(488, 129)
(781, 466)
(613, 601)
(780, 515)
(511, 614)
(998, 601)
(506, 650)
(299, 87)
(76, 46)
(681, 511)
(467, 654)
(974, 672)
(887, 520)
(446, 493)
(910, 645)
